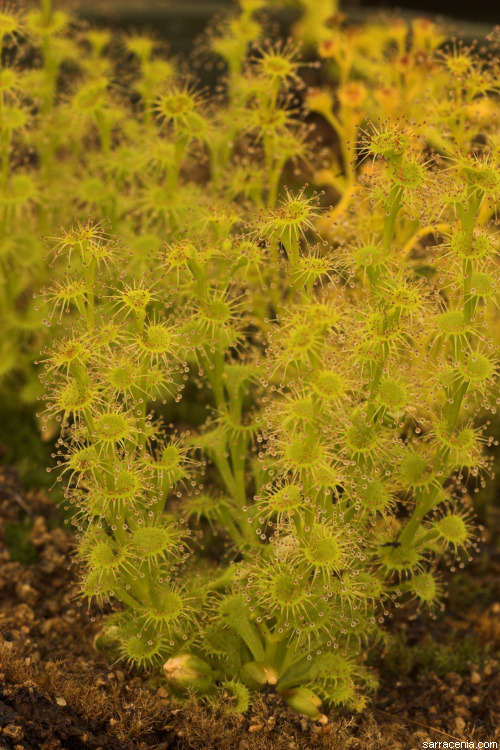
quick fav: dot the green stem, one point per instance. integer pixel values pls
(104, 132)
(452, 408)
(394, 206)
(127, 598)
(90, 281)
(46, 11)
(5, 158)
(231, 528)
(291, 244)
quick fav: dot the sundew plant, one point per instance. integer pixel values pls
(334, 368)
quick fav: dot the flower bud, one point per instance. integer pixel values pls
(256, 675)
(107, 638)
(352, 94)
(305, 702)
(186, 671)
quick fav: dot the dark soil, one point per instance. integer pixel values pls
(440, 681)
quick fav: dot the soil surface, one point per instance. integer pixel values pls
(58, 693)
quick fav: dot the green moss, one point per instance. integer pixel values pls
(24, 450)
(19, 544)
(451, 654)
(462, 595)
(22, 445)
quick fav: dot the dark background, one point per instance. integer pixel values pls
(487, 11)
(474, 10)
(181, 21)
